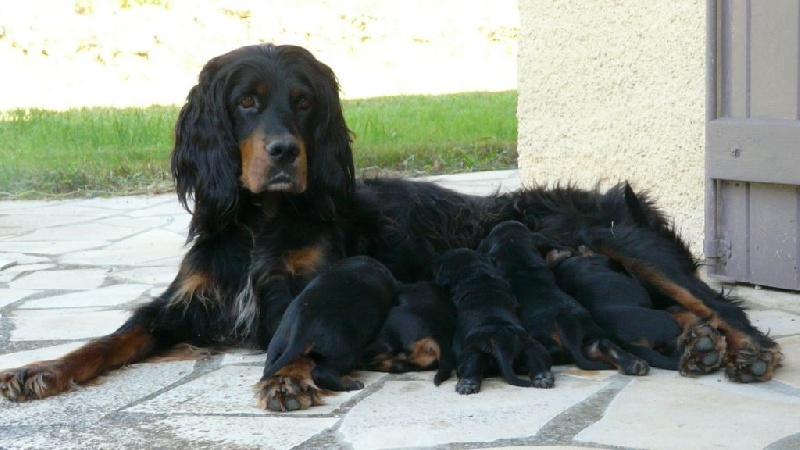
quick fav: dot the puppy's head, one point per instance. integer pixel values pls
(454, 266)
(511, 245)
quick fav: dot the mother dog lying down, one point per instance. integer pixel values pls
(262, 160)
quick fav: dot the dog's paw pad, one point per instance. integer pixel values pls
(544, 380)
(749, 363)
(703, 347)
(638, 367)
(285, 393)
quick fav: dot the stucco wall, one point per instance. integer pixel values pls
(612, 90)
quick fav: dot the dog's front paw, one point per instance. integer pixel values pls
(290, 389)
(747, 362)
(32, 382)
(703, 348)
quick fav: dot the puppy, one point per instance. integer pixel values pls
(488, 332)
(330, 323)
(621, 306)
(551, 316)
(418, 333)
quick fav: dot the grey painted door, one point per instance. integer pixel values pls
(753, 142)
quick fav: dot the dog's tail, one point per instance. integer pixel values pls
(292, 351)
(505, 358)
(570, 328)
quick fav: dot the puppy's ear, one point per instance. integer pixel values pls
(205, 160)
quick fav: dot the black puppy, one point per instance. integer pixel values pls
(488, 332)
(551, 316)
(417, 334)
(621, 306)
(330, 323)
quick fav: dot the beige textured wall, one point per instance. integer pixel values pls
(612, 90)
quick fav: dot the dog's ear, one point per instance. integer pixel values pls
(331, 171)
(204, 161)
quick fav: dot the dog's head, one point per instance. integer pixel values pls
(510, 244)
(262, 120)
(455, 266)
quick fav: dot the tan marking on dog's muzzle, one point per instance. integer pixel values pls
(275, 163)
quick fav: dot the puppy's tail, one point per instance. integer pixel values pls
(570, 329)
(292, 351)
(505, 358)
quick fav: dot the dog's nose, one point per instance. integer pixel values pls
(283, 151)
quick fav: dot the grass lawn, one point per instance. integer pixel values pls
(104, 151)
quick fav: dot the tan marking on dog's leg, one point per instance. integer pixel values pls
(46, 378)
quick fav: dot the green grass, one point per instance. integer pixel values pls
(435, 134)
(104, 151)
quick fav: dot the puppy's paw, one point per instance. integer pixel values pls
(544, 380)
(467, 386)
(351, 384)
(32, 382)
(746, 361)
(636, 367)
(703, 349)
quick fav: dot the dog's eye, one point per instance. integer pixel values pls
(303, 104)
(247, 102)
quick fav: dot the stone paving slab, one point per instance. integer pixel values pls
(77, 274)
(73, 279)
(64, 323)
(667, 412)
(114, 295)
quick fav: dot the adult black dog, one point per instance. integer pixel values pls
(263, 161)
(489, 336)
(551, 316)
(328, 326)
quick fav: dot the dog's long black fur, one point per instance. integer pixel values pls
(489, 335)
(263, 161)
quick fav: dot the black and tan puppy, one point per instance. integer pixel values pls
(417, 334)
(621, 306)
(550, 315)
(488, 333)
(330, 323)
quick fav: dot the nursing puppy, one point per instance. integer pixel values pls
(488, 333)
(417, 334)
(329, 324)
(621, 306)
(551, 316)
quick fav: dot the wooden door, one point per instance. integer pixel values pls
(753, 142)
